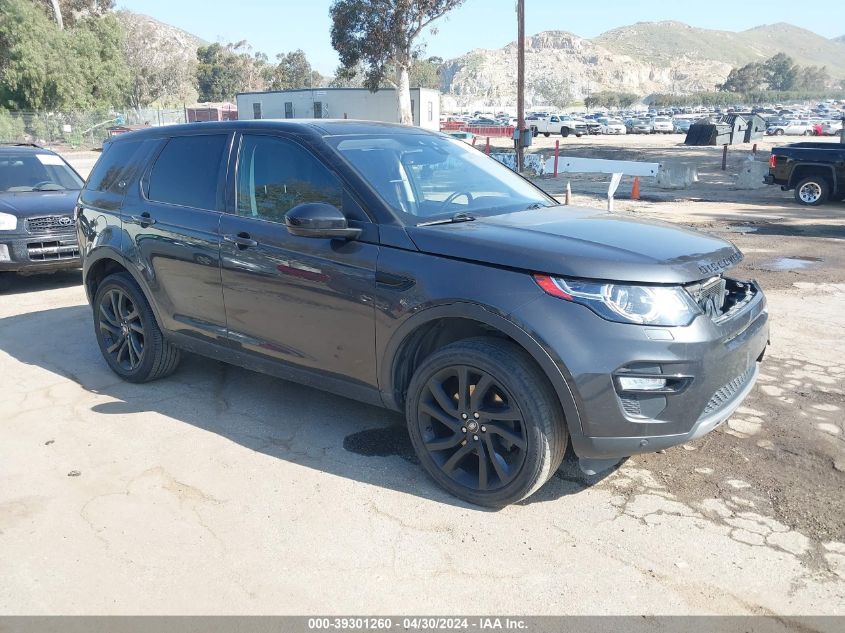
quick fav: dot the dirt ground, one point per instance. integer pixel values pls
(219, 490)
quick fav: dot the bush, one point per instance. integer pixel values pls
(45, 127)
(11, 128)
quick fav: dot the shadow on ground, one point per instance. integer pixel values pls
(262, 413)
(13, 283)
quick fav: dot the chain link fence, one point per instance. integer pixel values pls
(78, 130)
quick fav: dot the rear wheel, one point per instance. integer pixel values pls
(485, 422)
(547, 134)
(812, 191)
(127, 333)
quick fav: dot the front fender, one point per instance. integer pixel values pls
(494, 319)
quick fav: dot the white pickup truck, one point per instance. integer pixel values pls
(562, 124)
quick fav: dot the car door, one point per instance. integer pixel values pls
(172, 226)
(303, 302)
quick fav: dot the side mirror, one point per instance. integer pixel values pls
(318, 219)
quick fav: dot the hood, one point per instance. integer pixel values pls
(584, 243)
(28, 204)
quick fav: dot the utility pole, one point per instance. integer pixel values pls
(520, 83)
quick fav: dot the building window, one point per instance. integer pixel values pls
(256, 110)
(288, 109)
(431, 111)
(318, 109)
(413, 109)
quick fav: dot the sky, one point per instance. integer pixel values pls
(279, 26)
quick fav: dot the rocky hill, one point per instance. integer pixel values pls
(642, 58)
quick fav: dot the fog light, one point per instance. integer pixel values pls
(629, 383)
(4, 253)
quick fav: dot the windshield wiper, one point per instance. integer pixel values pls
(458, 217)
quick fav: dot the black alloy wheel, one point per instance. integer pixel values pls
(485, 421)
(127, 333)
(121, 328)
(472, 428)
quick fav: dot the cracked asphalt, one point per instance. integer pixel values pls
(219, 490)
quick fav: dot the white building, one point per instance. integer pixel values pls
(339, 103)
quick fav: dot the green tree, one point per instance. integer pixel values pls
(67, 12)
(101, 76)
(382, 34)
(219, 76)
(425, 73)
(45, 68)
(293, 71)
(749, 77)
(551, 90)
(812, 78)
(780, 72)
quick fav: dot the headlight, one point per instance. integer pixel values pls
(8, 222)
(644, 305)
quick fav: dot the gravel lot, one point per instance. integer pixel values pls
(219, 490)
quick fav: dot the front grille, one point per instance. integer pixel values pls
(725, 393)
(721, 297)
(709, 295)
(49, 224)
(52, 251)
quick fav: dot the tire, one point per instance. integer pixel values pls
(808, 133)
(129, 337)
(778, 132)
(812, 191)
(535, 132)
(564, 132)
(547, 134)
(511, 383)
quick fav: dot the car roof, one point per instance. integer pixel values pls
(27, 148)
(310, 127)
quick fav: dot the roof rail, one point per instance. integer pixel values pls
(36, 145)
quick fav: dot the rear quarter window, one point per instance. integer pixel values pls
(112, 175)
(115, 167)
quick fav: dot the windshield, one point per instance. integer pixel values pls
(424, 177)
(29, 171)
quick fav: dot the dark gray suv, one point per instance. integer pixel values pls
(407, 270)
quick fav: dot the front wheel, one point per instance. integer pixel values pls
(547, 134)
(564, 132)
(778, 132)
(484, 421)
(129, 337)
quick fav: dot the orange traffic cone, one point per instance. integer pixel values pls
(635, 190)
(568, 199)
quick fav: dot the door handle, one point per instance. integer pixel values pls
(144, 219)
(241, 240)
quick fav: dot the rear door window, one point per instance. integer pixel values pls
(187, 172)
